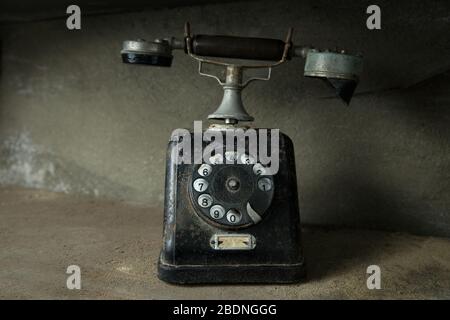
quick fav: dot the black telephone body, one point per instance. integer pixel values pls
(258, 224)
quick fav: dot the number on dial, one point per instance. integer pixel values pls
(247, 159)
(265, 184)
(233, 216)
(258, 169)
(200, 185)
(205, 200)
(204, 170)
(217, 212)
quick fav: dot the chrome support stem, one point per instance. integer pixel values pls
(231, 109)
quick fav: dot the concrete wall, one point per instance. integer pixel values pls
(74, 119)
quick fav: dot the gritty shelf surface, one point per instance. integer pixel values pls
(117, 244)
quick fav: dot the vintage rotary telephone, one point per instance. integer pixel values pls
(231, 218)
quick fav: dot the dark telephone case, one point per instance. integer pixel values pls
(190, 254)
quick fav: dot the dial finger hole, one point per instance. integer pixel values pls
(231, 156)
(217, 212)
(204, 170)
(259, 170)
(205, 201)
(200, 185)
(234, 216)
(265, 184)
(216, 159)
(247, 159)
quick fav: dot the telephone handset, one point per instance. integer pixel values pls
(231, 206)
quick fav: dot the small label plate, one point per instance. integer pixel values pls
(232, 242)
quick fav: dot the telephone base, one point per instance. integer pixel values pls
(216, 274)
